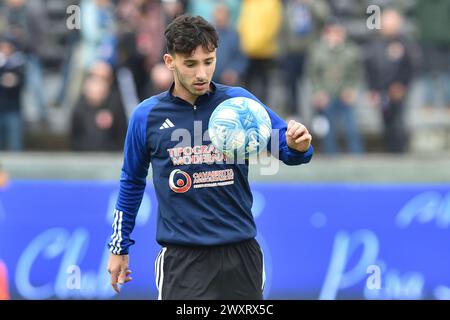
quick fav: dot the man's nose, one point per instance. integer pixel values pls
(201, 73)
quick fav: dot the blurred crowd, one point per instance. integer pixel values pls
(107, 57)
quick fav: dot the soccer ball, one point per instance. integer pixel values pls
(240, 127)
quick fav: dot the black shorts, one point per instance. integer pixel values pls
(226, 272)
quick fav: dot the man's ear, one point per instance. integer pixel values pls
(169, 61)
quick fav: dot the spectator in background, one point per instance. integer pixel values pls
(258, 27)
(149, 42)
(433, 24)
(161, 78)
(231, 62)
(140, 47)
(389, 69)
(12, 65)
(99, 122)
(206, 8)
(335, 71)
(98, 32)
(302, 22)
(27, 23)
(69, 44)
(172, 9)
(132, 76)
(98, 41)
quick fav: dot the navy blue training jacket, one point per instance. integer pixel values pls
(202, 199)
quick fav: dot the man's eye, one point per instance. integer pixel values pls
(189, 65)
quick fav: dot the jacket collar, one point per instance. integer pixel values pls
(199, 100)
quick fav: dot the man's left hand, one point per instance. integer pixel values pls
(297, 136)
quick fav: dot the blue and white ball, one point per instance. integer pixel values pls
(240, 127)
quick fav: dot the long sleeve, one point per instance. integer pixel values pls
(279, 127)
(132, 182)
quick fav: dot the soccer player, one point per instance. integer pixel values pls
(206, 230)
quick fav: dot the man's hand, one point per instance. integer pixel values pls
(118, 268)
(297, 136)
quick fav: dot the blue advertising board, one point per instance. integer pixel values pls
(320, 241)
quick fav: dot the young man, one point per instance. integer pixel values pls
(207, 235)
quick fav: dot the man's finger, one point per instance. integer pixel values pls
(299, 132)
(123, 276)
(293, 126)
(114, 278)
(127, 279)
(116, 287)
(306, 137)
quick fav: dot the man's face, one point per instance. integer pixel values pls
(193, 73)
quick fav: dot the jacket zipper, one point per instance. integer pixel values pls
(198, 136)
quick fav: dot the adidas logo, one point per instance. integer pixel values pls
(167, 124)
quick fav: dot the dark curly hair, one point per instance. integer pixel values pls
(185, 33)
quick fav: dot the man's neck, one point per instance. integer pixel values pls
(180, 92)
(184, 94)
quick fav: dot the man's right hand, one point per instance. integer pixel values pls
(118, 269)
